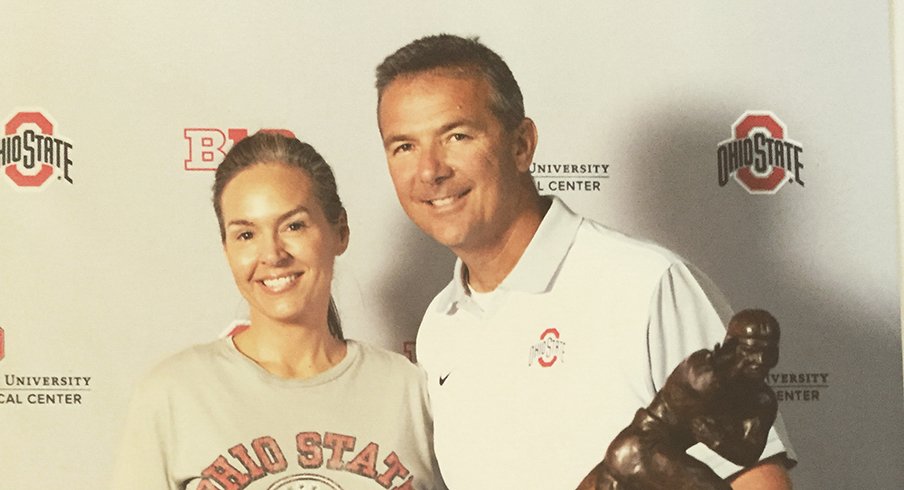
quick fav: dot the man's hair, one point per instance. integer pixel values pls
(461, 56)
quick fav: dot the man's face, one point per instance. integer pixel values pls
(455, 167)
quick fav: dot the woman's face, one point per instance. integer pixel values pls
(279, 244)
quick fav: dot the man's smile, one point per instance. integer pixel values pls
(443, 202)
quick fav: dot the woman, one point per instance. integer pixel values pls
(288, 403)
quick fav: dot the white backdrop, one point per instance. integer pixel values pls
(104, 276)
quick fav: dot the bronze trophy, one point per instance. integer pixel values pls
(716, 397)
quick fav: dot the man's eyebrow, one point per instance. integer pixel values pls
(442, 129)
(387, 142)
(239, 222)
(456, 124)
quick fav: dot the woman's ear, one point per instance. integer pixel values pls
(344, 232)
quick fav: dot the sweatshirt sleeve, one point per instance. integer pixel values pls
(141, 461)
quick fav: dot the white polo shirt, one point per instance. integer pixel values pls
(531, 383)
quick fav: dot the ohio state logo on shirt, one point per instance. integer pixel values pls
(312, 451)
(549, 350)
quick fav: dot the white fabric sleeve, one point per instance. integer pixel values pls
(689, 313)
(141, 462)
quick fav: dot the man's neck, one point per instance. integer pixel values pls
(489, 266)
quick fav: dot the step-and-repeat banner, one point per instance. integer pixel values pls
(754, 138)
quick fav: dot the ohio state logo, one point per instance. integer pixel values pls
(760, 156)
(208, 146)
(30, 153)
(549, 350)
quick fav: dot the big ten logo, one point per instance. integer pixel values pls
(208, 146)
(408, 348)
(30, 152)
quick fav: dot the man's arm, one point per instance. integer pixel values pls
(768, 474)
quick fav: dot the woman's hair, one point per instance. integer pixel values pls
(269, 147)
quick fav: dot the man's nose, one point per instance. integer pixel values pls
(432, 166)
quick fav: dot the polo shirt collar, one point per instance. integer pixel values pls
(538, 265)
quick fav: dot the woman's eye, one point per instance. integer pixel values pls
(245, 235)
(295, 226)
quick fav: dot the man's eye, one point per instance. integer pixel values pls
(403, 148)
(459, 137)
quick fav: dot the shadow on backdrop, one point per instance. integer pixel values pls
(743, 242)
(418, 270)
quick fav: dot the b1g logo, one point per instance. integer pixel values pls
(30, 153)
(760, 156)
(208, 146)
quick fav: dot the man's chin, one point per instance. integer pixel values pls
(447, 237)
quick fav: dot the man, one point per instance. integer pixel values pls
(554, 330)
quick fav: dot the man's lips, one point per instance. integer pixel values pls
(279, 283)
(448, 200)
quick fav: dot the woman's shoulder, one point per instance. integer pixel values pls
(375, 357)
(182, 366)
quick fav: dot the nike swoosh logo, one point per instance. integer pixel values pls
(442, 379)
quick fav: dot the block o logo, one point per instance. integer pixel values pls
(30, 152)
(760, 156)
(549, 350)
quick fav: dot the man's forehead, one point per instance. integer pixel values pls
(424, 100)
(435, 76)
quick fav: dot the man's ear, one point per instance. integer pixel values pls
(524, 144)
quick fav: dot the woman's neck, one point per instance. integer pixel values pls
(290, 350)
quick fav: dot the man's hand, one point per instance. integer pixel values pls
(769, 474)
